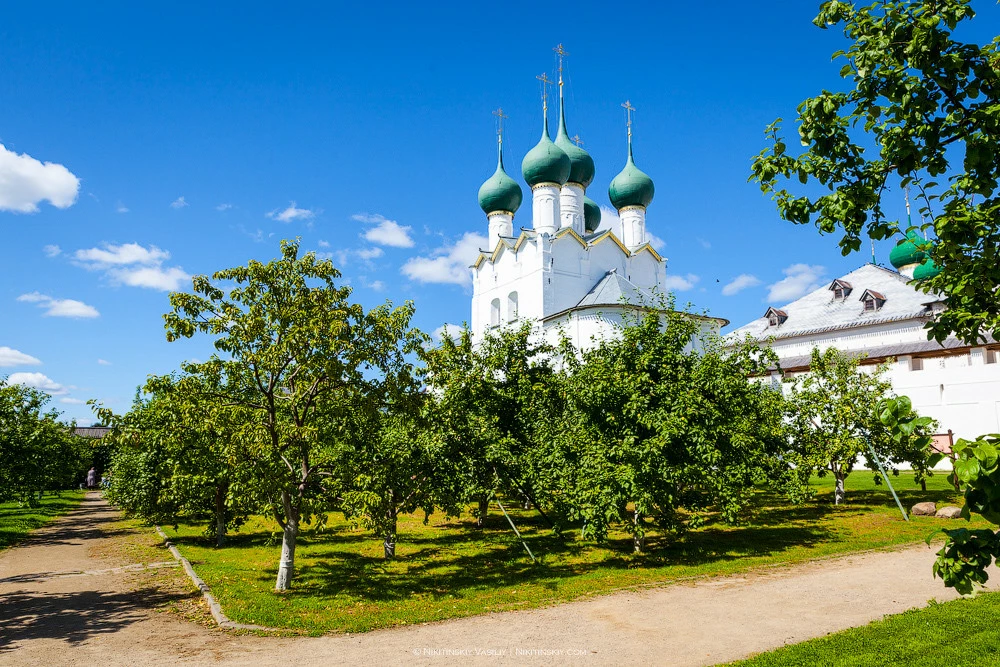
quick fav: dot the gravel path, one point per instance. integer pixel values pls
(60, 604)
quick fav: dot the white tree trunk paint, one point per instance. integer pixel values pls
(286, 567)
(839, 494)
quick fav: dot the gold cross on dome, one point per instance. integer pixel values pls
(628, 116)
(576, 139)
(500, 118)
(546, 82)
(562, 53)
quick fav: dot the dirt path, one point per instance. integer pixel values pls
(62, 604)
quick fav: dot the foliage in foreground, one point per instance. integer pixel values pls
(959, 633)
(930, 105)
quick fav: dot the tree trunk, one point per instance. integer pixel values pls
(286, 567)
(389, 543)
(220, 516)
(638, 535)
(527, 503)
(838, 493)
(923, 485)
(484, 509)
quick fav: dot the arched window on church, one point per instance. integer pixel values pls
(495, 313)
(512, 307)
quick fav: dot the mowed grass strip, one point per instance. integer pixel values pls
(959, 633)
(17, 521)
(448, 568)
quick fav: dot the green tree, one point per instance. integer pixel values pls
(663, 425)
(834, 414)
(497, 404)
(921, 110)
(293, 343)
(37, 452)
(178, 456)
(394, 463)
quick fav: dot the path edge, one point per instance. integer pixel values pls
(221, 619)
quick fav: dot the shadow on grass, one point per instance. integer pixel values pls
(454, 559)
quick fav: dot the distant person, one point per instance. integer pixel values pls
(91, 479)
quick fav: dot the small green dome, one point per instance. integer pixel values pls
(591, 214)
(546, 162)
(500, 192)
(631, 187)
(906, 251)
(927, 269)
(581, 169)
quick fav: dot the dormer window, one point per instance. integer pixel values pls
(775, 317)
(840, 289)
(873, 300)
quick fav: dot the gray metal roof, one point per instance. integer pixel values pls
(819, 311)
(615, 290)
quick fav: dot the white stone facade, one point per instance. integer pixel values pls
(956, 384)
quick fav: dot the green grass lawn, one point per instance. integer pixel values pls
(448, 568)
(959, 633)
(17, 521)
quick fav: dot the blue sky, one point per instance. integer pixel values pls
(144, 144)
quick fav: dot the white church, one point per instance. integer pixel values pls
(569, 278)
(561, 272)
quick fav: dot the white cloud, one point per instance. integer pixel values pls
(37, 381)
(11, 357)
(385, 231)
(25, 181)
(128, 253)
(447, 264)
(367, 254)
(167, 279)
(799, 280)
(223, 207)
(133, 265)
(72, 401)
(291, 213)
(51, 250)
(704, 244)
(60, 307)
(610, 220)
(180, 202)
(103, 362)
(376, 285)
(323, 244)
(450, 330)
(121, 208)
(680, 283)
(740, 283)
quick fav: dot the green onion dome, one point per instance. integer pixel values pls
(546, 162)
(581, 165)
(927, 269)
(591, 214)
(906, 251)
(631, 187)
(500, 192)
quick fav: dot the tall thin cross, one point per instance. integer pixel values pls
(546, 82)
(576, 139)
(562, 53)
(500, 118)
(628, 118)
